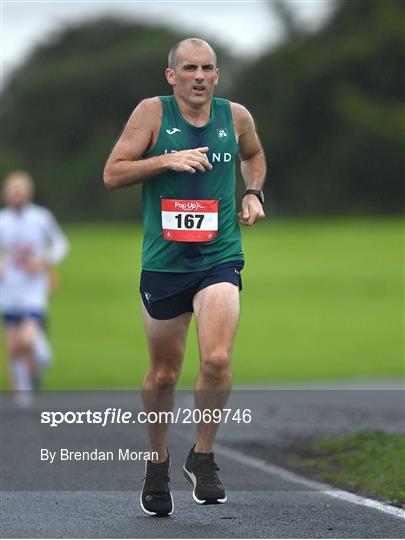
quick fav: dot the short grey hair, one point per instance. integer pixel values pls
(172, 59)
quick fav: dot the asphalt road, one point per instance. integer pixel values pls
(101, 500)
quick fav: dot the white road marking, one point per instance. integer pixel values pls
(284, 474)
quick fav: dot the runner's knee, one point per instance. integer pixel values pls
(26, 336)
(25, 343)
(12, 349)
(215, 365)
(164, 377)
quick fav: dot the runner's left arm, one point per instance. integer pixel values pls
(2, 253)
(58, 245)
(56, 250)
(253, 164)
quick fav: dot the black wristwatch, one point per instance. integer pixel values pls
(258, 192)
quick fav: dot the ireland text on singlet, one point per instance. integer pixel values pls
(176, 133)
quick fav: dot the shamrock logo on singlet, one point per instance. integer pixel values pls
(222, 134)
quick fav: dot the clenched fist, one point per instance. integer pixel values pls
(252, 210)
(190, 161)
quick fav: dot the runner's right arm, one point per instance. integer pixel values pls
(126, 165)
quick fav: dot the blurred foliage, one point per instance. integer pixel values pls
(330, 111)
(66, 106)
(329, 107)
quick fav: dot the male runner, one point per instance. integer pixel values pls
(183, 149)
(31, 242)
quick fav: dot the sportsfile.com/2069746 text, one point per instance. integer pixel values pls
(113, 415)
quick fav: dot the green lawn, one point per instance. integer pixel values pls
(370, 461)
(322, 299)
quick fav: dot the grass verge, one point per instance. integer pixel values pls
(370, 462)
(322, 300)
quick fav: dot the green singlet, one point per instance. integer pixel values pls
(176, 133)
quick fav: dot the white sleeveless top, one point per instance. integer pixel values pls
(29, 232)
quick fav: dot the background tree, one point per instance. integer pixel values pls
(65, 107)
(330, 111)
(329, 105)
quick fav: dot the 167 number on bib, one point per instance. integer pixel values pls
(186, 220)
(190, 221)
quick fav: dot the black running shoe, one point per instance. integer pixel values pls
(156, 499)
(201, 471)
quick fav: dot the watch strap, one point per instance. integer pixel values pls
(258, 192)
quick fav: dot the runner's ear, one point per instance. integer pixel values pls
(170, 77)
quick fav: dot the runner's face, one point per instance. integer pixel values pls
(18, 192)
(195, 76)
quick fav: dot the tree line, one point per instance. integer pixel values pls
(329, 107)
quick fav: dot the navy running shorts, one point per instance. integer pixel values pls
(166, 295)
(17, 317)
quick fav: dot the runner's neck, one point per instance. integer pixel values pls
(198, 117)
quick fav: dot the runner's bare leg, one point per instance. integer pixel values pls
(27, 332)
(166, 342)
(217, 312)
(19, 341)
(11, 347)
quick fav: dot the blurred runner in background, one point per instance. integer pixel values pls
(31, 243)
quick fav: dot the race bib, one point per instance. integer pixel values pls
(189, 220)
